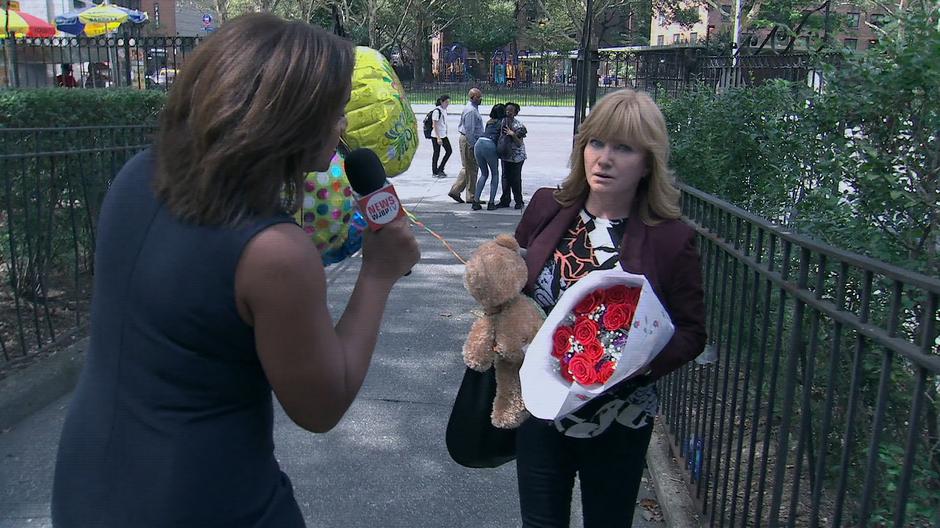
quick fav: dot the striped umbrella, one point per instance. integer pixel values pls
(98, 20)
(22, 24)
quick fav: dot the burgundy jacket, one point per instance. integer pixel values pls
(665, 253)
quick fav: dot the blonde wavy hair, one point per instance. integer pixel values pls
(629, 117)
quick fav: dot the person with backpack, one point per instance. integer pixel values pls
(435, 129)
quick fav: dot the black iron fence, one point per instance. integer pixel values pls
(96, 62)
(818, 405)
(53, 182)
(542, 79)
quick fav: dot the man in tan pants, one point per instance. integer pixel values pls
(470, 128)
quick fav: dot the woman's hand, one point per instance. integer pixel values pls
(390, 252)
(509, 132)
(315, 368)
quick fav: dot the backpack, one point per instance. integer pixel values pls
(429, 124)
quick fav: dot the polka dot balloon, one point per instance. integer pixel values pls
(328, 206)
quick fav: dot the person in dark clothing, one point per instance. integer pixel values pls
(617, 207)
(487, 160)
(439, 136)
(207, 296)
(512, 164)
(66, 79)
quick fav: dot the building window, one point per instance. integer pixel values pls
(853, 20)
(659, 40)
(850, 43)
(675, 38)
(693, 38)
(725, 11)
(877, 19)
(662, 20)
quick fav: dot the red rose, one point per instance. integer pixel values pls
(630, 310)
(615, 317)
(593, 352)
(561, 341)
(582, 369)
(606, 371)
(634, 296)
(618, 294)
(589, 303)
(621, 294)
(585, 331)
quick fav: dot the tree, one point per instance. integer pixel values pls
(486, 25)
(889, 98)
(557, 24)
(791, 17)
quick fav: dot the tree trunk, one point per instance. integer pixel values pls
(221, 7)
(422, 53)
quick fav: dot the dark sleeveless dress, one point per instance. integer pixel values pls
(171, 422)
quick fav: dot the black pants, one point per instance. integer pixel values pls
(445, 142)
(512, 181)
(609, 466)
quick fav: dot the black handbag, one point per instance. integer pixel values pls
(504, 144)
(504, 147)
(471, 438)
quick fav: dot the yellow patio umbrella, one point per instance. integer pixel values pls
(24, 24)
(104, 14)
(94, 29)
(98, 20)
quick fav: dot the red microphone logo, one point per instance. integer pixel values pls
(381, 207)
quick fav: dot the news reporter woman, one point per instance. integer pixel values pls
(618, 206)
(207, 296)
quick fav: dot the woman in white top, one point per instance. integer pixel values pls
(439, 136)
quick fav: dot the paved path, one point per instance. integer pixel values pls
(385, 464)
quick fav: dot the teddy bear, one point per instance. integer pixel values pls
(495, 276)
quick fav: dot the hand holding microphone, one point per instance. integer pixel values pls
(389, 249)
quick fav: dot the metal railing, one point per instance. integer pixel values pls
(97, 62)
(53, 182)
(818, 406)
(544, 79)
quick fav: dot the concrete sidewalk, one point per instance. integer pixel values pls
(385, 464)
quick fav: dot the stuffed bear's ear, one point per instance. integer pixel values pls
(507, 241)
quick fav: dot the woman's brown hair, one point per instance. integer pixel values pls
(629, 117)
(255, 100)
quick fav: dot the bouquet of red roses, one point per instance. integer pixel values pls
(605, 328)
(589, 342)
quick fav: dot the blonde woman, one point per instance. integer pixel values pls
(618, 206)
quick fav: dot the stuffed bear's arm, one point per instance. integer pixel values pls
(478, 351)
(518, 323)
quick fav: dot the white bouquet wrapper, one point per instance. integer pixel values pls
(546, 394)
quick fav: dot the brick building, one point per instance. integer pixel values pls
(852, 23)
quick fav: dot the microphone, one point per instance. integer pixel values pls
(378, 201)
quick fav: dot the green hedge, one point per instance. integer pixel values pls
(49, 199)
(58, 107)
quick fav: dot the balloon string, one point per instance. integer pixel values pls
(420, 224)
